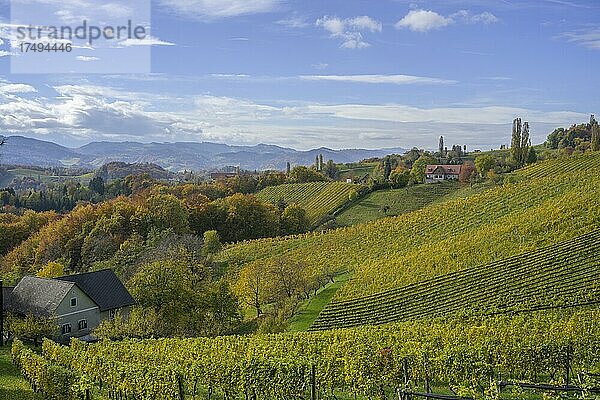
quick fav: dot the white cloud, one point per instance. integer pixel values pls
(147, 41)
(390, 79)
(466, 16)
(87, 58)
(214, 9)
(105, 113)
(320, 65)
(423, 21)
(350, 30)
(427, 20)
(14, 88)
(589, 38)
(294, 21)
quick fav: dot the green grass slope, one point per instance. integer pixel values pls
(310, 311)
(12, 384)
(399, 201)
(562, 275)
(317, 198)
(558, 204)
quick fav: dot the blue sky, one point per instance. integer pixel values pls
(341, 74)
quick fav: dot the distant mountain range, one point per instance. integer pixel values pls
(173, 156)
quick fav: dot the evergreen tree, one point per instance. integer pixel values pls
(288, 168)
(387, 168)
(441, 146)
(321, 162)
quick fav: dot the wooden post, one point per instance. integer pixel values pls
(313, 383)
(568, 364)
(180, 387)
(425, 366)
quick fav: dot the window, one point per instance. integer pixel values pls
(74, 302)
(112, 314)
(81, 325)
(66, 329)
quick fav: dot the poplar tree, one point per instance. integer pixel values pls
(595, 136)
(521, 143)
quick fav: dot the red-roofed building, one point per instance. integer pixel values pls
(439, 173)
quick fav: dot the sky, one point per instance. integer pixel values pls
(306, 73)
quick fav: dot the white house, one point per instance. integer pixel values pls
(439, 173)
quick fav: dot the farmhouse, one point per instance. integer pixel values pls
(78, 303)
(438, 173)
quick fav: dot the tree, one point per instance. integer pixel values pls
(595, 136)
(212, 243)
(532, 157)
(387, 168)
(247, 217)
(162, 212)
(288, 168)
(174, 292)
(331, 170)
(321, 162)
(301, 174)
(97, 185)
(294, 220)
(399, 177)
(441, 146)
(417, 173)
(223, 312)
(466, 172)
(32, 327)
(253, 288)
(53, 269)
(521, 143)
(485, 164)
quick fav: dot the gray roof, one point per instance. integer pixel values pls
(38, 296)
(103, 287)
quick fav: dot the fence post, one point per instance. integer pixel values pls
(180, 387)
(568, 364)
(426, 367)
(313, 382)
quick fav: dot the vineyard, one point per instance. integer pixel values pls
(563, 275)
(464, 356)
(397, 201)
(520, 216)
(317, 198)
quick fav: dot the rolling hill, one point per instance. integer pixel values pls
(175, 157)
(398, 201)
(553, 201)
(317, 198)
(563, 275)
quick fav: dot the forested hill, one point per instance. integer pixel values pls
(175, 157)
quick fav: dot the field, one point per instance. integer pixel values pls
(317, 198)
(466, 356)
(42, 176)
(562, 275)
(356, 170)
(523, 215)
(399, 201)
